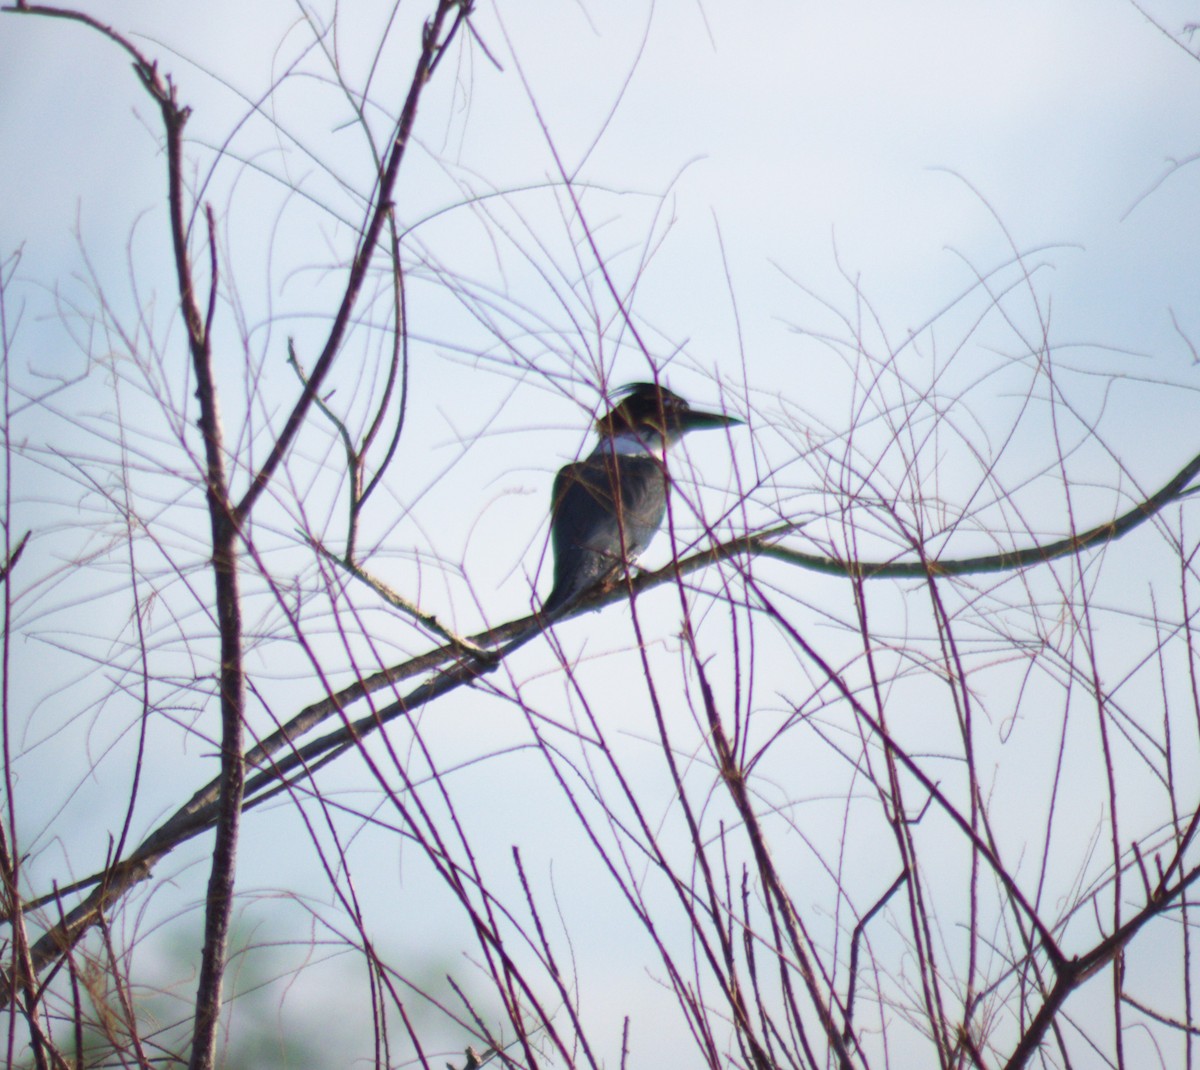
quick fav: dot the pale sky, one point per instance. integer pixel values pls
(748, 165)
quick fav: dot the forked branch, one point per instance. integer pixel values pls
(452, 664)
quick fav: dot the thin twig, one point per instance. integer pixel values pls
(859, 929)
(433, 47)
(393, 598)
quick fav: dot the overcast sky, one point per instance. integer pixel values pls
(765, 174)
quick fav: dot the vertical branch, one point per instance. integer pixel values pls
(23, 972)
(894, 800)
(226, 517)
(361, 488)
(734, 779)
(225, 524)
(397, 373)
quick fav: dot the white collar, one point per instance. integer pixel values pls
(648, 443)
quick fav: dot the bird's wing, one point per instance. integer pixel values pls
(589, 528)
(581, 514)
(582, 507)
(584, 513)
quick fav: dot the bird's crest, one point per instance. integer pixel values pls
(644, 407)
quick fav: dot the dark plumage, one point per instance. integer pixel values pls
(590, 527)
(606, 509)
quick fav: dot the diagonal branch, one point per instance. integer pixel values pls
(452, 664)
(435, 40)
(1071, 974)
(766, 544)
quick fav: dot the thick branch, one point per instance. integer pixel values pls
(197, 815)
(1070, 975)
(766, 544)
(224, 525)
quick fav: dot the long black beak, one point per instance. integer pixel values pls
(695, 420)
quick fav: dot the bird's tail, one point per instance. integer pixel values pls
(559, 598)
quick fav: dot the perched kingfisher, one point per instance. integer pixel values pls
(606, 508)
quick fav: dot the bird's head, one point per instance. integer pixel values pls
(655, 416)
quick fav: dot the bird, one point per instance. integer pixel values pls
(606, 508)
